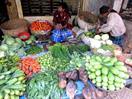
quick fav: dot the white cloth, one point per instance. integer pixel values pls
(114, 25)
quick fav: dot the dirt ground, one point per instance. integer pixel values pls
(128, 38)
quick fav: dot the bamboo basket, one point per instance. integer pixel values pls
(14, 27)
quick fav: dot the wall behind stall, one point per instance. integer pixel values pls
(94, 5)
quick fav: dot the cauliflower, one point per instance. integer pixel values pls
(97, 37)
(109, 42)
(105, 37)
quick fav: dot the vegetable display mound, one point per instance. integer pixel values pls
(30, 66)
(12, 84)
(80, 48)
(43, 86)
(8, 62)
(59, 51)
(34, 50)
(106, 72)
(48, 62)
(37, 26)
(11, 46)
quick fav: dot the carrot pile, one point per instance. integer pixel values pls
(36, 26)
(29, 66)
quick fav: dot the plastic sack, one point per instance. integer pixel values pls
(60, 35)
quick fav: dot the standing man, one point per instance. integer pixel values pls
(114, 25)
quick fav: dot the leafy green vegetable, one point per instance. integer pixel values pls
(59, 51)
(34, 50)
(80, 48)
(43, 86)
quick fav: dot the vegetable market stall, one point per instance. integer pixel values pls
(64, 70)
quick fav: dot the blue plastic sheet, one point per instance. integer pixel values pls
(60, 35)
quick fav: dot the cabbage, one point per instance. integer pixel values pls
(21, 52)
(10, 41)
(19, 41)
(11, 53)
(15, 47)
(4, 47)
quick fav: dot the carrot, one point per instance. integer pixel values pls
(29, 66)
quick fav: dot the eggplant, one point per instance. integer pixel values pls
(72, 75)
(71, 89)
(83, 76)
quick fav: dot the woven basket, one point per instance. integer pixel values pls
(14, 27)
(125, 93)
(40, 32)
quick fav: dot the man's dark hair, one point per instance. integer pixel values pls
(104, 9)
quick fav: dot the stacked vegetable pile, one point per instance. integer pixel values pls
(29, 66)
(12, 80)
(80, 48)
(106, 72)
(40, 26)
(12, 84)
(12, 46)
(48, 62)
(100, 44)
(59, 51)
(8, 62)
(43, 86)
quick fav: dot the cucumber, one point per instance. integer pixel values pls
(12, 81)
(3, 82)
(98, 72)
(6, 96)
(12, 97)
(6, 73)
(109, 64)
(110, 76)
(16, 97)
(12, 92)
(1, 95)
(98, 84)
(98, 59)
(18, 82)
(104, 78)
(115, 71)
(17, 93)
(105, 70)
(7, 91)
(107, 59)
(98, 79)
(121, 68)
(17, 86)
